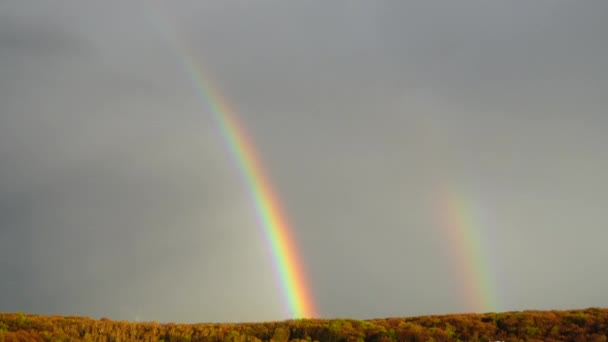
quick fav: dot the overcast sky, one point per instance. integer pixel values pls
(119, 198)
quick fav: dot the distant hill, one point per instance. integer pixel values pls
(571, 325)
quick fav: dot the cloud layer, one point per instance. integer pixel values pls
(119, 198)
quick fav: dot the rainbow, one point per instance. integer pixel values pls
(460, 220)
(273, 219)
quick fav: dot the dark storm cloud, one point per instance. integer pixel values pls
(119, 198)
(27, 39)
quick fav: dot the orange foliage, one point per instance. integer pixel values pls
(573, 325)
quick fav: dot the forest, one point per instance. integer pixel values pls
(571, 325)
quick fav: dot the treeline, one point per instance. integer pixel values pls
(573, 325)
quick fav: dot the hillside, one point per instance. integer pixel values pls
(572, 325)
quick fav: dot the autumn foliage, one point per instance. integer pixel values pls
(573, 325)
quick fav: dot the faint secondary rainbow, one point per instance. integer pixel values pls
(276, 228)
(460, 219)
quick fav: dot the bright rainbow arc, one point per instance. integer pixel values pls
(272, 216)
(459, 219)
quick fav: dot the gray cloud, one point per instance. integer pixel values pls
(119, 198)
